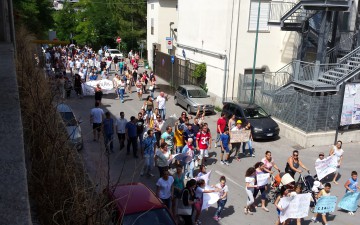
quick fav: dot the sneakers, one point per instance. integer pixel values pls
(226, 163)
(215, 145)
(186, 177)
(351, 213)
(314, 220)
(216, 218)
(222, 162)
(253, 155)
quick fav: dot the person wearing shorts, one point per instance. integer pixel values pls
(224, 143)
(203, 143)
(139, 88)
(96, 118)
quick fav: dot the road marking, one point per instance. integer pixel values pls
(229, 179)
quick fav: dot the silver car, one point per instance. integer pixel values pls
(72, 125)
(192, 98)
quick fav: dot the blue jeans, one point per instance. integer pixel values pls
(162, 113)
(149, 162)
(250, 147)
(189, 169)
(167, 202)
(140, 136)
(221, 204)
(149, 113)
(108, 141)
(121, 93)
(179, 149)
(152, 94)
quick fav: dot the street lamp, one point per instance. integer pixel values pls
(252, 95)
(171, 23)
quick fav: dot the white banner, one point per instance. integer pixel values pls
(89, 87)
(326, 166)
(295, 207)
(209, 199)
(262, 179)
(205, 177)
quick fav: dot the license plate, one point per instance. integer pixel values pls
(270, 134)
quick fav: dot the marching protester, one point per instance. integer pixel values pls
(284, 192)
(260, 169)
(187, 201)
(120, 128)
(147, 153)
(203, 143)
(236, 146)
(223, 195)
(220, 126)
(179, 179)
(108, 128)
(269, 163)
(323, 192)
(165, 188)
(250, 187)
(162, 156)
(189, 167)
(249, 142)
(352, 185)
(338, 152)
(224, 144)
(96, 118)
(293, 164)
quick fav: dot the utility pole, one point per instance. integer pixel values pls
(252, 95)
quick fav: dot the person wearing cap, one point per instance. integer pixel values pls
(321, 157)
(236, 146)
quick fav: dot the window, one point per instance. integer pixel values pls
(152, 26)
(152, 6)
(264, 15)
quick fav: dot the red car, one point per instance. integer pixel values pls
(136, 204)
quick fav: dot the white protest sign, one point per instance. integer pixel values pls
(326, 166)
(209, 198)
(106, 85)
(262, 179)
(298, 206)
(326, 204)
(205, 177)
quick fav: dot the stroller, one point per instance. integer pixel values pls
(281, 179)
(310, 184)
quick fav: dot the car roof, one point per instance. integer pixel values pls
(63, 108)
(113, 49)
(190, 87)
(134, 197)
(243, 105)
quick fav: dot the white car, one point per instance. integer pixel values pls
(72, 125)
(113, 53)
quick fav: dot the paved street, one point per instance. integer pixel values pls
(124, 169)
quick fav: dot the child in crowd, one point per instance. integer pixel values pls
(224, 143)
(284, 192)
(323, 192)
(352, 185)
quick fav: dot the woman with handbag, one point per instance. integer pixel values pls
(186, 202)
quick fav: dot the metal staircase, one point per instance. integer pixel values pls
(291, 15)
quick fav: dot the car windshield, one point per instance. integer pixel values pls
(156, 216)
(114, 51)
(255, 113)
(198, 93)
(68, 118)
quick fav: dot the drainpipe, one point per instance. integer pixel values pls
(211, 53)
(236, 43)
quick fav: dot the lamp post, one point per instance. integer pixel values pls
(171, 23)
(252, 97)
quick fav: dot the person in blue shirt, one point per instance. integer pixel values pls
(190, 133)
(147, 153)
(224, 143)
(131, 136)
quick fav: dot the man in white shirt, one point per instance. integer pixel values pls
(96, 118)
(120, 128)
(161, 101)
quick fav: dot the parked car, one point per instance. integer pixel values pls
(113, 53)
(262, 125)
(192, 98)
(72, 125)
(136, 204)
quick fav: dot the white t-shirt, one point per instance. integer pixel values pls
(223, 190)
(161, 101)
(251, 181)
(120, 125)
(97, 115)
(165, 187)
(338, 153)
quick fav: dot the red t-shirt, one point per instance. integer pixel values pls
(203, 139)
(222, 122)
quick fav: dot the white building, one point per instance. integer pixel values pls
(162, 19)
(221, 34)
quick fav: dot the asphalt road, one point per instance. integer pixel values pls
(124, 169)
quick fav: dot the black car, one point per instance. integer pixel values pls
(262, 125)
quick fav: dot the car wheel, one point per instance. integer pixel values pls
(176, 101)
(188, 109)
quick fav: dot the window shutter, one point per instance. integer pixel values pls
(264, 15)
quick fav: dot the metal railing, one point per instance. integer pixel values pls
(278, 9)
(345, 45)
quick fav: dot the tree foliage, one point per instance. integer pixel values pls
(98, 23)
(36, 15)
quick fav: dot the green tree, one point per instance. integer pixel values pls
(36, 15)
(65, 21)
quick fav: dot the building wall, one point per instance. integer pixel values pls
(223, 28)
(163, 12)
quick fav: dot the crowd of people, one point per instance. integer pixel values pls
(178, 147)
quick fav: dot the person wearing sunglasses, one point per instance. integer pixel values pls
(293, 164)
